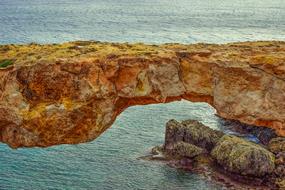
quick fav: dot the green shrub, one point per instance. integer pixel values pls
(5, 63)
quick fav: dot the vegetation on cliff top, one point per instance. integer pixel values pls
(5, 63)
(32, 53)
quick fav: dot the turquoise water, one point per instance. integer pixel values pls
(111, 162)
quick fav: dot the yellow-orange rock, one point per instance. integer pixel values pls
(72, 92)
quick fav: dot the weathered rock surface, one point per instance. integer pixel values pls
(234, 161)
(277, 145)
(263, 134)
(243, 157)
(192, 132)
(280, 158)
(183, 149)
(280, 171)
(71, 93)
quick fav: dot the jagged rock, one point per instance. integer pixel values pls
(243, 157)
(174, 132)
(233, 159)
(277, 145)
(280, 170)
(192, 132)
(280, 158)
(71, 93)
(263, 134)
(182, 149)
(200, 135)
(157, 150)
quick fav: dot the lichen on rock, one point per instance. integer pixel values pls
(243, 157)
(183, 149)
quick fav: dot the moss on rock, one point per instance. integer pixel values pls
(243, 157)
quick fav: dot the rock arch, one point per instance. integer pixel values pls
(68, 98)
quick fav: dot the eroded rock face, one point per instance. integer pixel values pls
(71, 93)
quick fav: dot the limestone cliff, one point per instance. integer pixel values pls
(72, 92)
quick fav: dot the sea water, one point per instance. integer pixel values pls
(111, 161)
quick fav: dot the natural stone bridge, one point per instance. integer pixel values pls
(71, 93)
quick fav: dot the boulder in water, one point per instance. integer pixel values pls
(243, 157)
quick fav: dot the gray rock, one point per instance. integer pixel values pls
(200, 135)
(174, 133)
(191, 131)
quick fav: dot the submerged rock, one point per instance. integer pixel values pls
(243, 157)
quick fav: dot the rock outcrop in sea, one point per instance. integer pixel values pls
(71, 93)
(192, 145)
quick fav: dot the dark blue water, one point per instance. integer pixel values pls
(111, 161)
